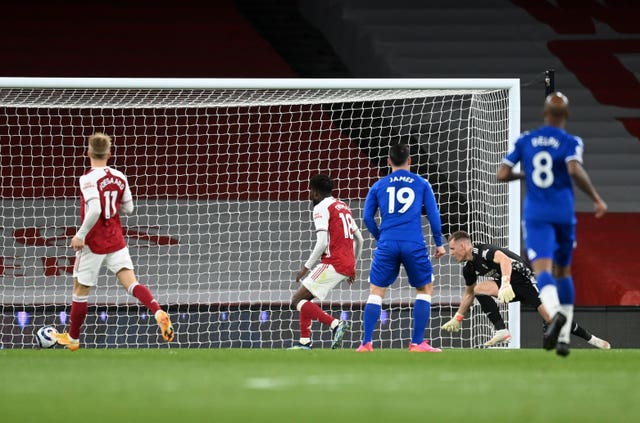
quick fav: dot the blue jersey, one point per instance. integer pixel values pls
(544, 154)
(401, 198)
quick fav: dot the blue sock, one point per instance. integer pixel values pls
(371, 315)
(566, 291)
(421, 313)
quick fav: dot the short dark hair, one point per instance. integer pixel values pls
(458, 235)
(399, 154)
(321, 183)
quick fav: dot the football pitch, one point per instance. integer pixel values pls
(234, 385)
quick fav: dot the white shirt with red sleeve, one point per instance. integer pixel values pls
(334, 217)
(111, 189)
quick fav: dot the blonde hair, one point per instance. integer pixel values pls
(99, 145)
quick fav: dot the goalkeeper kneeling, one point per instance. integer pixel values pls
(508, 277)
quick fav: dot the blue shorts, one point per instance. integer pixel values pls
(550, 240)
(388, 256)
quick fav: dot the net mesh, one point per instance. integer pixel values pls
(222, 219)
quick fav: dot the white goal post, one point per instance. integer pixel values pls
(219, 171)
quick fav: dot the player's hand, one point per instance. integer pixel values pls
(351, 279)
(77, 244)
(454, 324)
(600, 207)
(506, 294)
(301, 273)
(440, 252)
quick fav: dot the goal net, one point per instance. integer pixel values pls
(223, 220)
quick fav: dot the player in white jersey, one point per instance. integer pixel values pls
(335, 248)
(100, 241)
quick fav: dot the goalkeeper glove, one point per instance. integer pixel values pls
(453, 325)
(506, 294)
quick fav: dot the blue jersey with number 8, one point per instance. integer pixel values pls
(401, 198)
(544, 154)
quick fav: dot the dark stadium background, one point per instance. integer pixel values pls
(594, 47)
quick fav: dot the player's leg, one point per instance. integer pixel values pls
(565, 236)
(540, 244)
(120, 263)
(85, 275)
(317, 284)
(415, 259)
(484, 293)
(300, 297)
(576, 329)
(384, 271)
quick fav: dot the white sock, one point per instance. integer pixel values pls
(424, 297)
(300, 304)
(549, 297)
(305, 341)
(565, 332)
(334, 323)
(375, 299)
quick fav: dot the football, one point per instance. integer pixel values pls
(46, 337)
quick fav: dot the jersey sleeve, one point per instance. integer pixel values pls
(514, 155)
(126, 195)
(354, 225)
(433, 214)
(469, 277)
(576, 150)
(486, 252)
(370, 208)
(321, 218)
(89, 189)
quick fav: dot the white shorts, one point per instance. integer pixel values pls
(88, 264)
(321, 279)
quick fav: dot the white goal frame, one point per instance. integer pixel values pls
(511, 85)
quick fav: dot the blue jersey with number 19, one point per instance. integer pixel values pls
(401, 197)
(544, 154)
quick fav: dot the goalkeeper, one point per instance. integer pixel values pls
(514, 281)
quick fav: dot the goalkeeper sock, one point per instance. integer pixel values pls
(305, 322)
(315, 313)
(79, 309)
(145, 296)
(421, 313)
(490, 308)
(578, 330)
(372, 311)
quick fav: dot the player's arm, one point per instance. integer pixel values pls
(506, 174)
(369, 213)
(126, 205)
(433, 215)
(505, 170)
(320, 247)
(358, 242)
(505, 293)
(582, 181)
(455, 323)
(92, 212)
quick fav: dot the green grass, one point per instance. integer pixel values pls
(321, 385)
